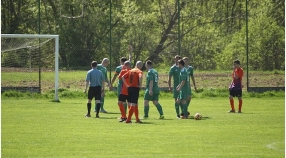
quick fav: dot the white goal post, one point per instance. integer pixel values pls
(43, 36)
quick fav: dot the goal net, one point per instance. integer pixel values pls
(29, 63)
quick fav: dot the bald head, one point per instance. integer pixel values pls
(139, 64)
(105, 62)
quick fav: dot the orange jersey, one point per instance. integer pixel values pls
(132, 77)
(236, 84)
(124, 90)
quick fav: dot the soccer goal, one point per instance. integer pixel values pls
(30, 62)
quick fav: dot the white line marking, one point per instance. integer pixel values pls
(272, 146)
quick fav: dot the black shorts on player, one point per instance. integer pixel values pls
(235, 93)
(94, 92)
(133, 94)
(123, 98)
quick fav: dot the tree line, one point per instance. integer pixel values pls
(212, 33)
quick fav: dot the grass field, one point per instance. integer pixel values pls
(40, 128)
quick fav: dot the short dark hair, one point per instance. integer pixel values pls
(181, 61)
(93, 63)
(127, 63)
(236, 61)
(177, 56)
(149, 62)
(123, 59)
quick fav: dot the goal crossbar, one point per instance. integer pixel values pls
(56, 37)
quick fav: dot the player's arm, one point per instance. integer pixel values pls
(140, 80)
(179, 87)
(124, 77)
(194, 82)
(113, 79)
(236, 73)
(151, 87)
(86, 82)
(169, 82)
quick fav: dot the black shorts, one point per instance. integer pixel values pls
(123, 98)
(133, 94)
(94, 92)
(235, 93)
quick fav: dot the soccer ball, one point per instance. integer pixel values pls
(197, 116)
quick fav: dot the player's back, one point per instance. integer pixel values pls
(134, 75)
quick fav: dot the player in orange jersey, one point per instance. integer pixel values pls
(134, 83)
(123, 96)
(235, 88)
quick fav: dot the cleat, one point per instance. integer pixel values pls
(145, 118)
(122, 119)
(182, 114)
(178, 116)
(87, 115)
(97, 116)
(231, 111)
(239, 112)
(138, 121)
(184, 117)
(188, 113)
(103, 111)
(161, 117)
(127, 121)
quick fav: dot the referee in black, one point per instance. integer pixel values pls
(95, 82)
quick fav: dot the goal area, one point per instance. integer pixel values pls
(29, 61)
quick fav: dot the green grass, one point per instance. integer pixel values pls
(36, 127)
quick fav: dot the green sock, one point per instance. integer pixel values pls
(146, 111)
(188, 102)
(177, 108)
(185, 106)
(160, 109)
(101, 103)
(125, 106)
(182, 107)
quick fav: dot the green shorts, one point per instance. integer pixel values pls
(175, 93)
(154, 97)
(183, 95)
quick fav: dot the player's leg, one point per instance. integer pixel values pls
(132, 100)
(121, 100)
(90, 95)
(185, 107)
(231, 94)
(239, 95)
(101, 105)
(98, 96)
(147, 98)
(136, 111)
(158, 106)
(119, 87)
(177, 104)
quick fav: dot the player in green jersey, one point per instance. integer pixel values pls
(117, 72)
(102, 68)
(175, 73)
(183, 88)
(152, 91)
(190, 70)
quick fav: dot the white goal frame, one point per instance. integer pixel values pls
(56, 37)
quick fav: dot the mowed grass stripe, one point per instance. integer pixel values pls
(39, 128)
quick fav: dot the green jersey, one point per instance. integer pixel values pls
(175, 73)
(117, 72)
(190, 70)
(184, 76)
(103, 70)
(152, 75)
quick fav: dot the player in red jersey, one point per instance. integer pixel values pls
(235, 88)
(134, 83)
(123, 96)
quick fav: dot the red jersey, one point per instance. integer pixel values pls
(132, 77)
(236, 84)
(124, 90)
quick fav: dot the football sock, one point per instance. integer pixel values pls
(122, 110)
(146, 111)
(88, 108)
(188, 102)
(125, 107)
(160, 109)
(177, 108)
(136, 112)
(101, 103)
(185, 107)
(97, 108)
(239, 105)
(232, 104)
(130, 113)
(182, 108)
